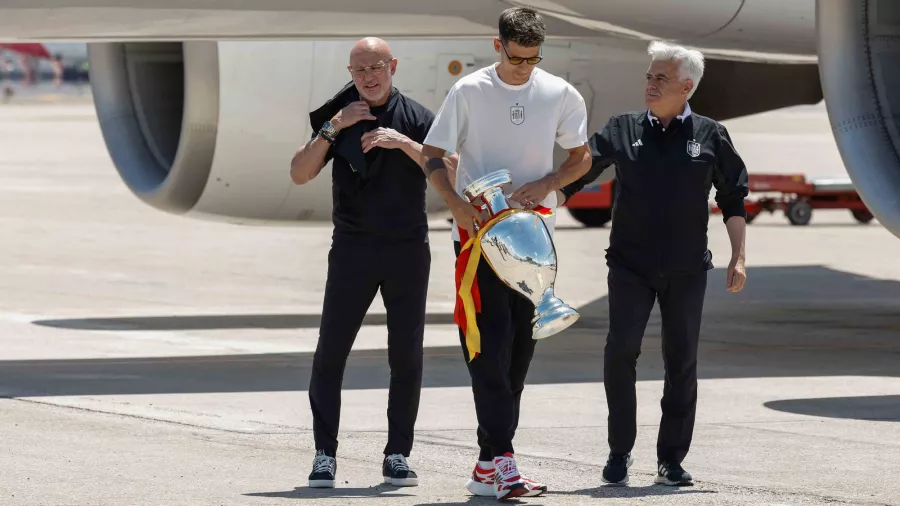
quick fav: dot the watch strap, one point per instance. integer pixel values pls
(326, 136)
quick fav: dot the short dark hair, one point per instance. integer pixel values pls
(522, 25)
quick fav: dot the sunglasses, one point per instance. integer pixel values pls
(518, 60)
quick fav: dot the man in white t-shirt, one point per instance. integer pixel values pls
(504, 116)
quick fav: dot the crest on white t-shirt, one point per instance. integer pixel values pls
(517, 114)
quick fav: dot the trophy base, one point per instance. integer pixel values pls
(552, 316)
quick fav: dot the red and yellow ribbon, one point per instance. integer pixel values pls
(468, 298)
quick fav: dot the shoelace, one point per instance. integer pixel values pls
(668, 468)
(398, 462)
(322, 464)
(506, 468)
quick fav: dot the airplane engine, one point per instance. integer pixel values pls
(859, 62)
(207, 129)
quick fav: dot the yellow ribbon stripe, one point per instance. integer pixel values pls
(473, 335)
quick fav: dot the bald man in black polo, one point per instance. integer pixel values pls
(373, 134)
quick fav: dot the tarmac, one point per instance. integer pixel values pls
(150, 359)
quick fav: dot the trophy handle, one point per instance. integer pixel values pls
(479, 208)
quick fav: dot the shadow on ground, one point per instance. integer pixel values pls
(218, 322)
(612, 492)
(605, 492)
(879, 408)
(334, 493)
(788, 322)
(377, 492)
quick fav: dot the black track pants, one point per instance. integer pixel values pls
(356, 271)
(498, 373)
(631, 298)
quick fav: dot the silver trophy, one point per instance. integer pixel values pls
(520, 250)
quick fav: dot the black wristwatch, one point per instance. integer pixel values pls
(328, 132)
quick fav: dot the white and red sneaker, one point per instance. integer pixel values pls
(535, 488)
(508, 483)
(482, 481)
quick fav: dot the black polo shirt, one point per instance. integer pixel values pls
(663, 180)
(379, 194)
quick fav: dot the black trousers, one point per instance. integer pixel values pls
(356, 271)
(498, 373)
(631, 298)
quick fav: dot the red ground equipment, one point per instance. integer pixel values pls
(592, 206)
(797, 197)
(793, 194)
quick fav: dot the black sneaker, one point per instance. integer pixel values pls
(396, 471)
(324, 469)
(673, 475)
(615, 472)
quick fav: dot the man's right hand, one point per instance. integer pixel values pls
(352, 114)
(466, 216)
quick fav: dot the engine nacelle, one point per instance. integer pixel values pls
(208, 129)
(859, 62)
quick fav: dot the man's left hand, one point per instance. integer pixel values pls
(533, 193)
(737, 275)
(386, 138)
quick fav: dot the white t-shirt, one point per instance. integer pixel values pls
(494, 126)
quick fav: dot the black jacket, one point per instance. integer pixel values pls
(380, 194)
(663, 180)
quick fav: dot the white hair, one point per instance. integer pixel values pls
(690, 61)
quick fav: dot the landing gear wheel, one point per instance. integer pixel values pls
(862, 216)
(799, 212)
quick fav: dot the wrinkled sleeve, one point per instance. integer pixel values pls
(603, 150)
(572, 129)
(448, 130)
(729, 177)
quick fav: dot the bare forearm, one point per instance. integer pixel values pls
(576, 165)
(440, 179)
(437, 169)
(309, 160)
(414, 150)
(737, 229)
